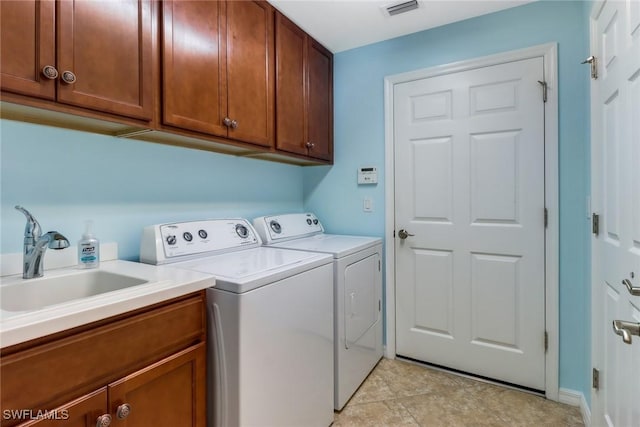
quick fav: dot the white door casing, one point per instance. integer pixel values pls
(615, 193)
(439, 219)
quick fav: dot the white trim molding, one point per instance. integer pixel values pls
(549, 53)
(576, 398)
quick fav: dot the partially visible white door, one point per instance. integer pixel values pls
(469, 191)
(615, 186)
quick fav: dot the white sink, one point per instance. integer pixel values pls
(35, 294)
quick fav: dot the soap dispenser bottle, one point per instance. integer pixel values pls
(88, 249)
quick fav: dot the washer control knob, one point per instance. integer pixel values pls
(309, 221)
(187, 236)
(171, 239)
(315, 221)
(275, 226)
(242, 231)
(203, 234)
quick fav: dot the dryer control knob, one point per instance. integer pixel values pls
(275, 226)
(171, 239)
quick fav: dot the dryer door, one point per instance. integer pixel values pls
(361, 298)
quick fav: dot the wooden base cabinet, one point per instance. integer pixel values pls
(143, 369)
(304, 87)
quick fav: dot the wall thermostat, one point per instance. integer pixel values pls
(368, 175)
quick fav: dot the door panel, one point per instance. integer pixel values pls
(27, 34)
(361, 298)
(320, 101)
(108, 46)
(170, 392)
(193, 58)
(251, 71)
(616, 198)
(469, 155)
(291, 115)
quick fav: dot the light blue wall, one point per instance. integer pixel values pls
(64, 177)
(359, 140)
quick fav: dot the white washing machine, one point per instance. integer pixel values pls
(357, 292)
(270, 322)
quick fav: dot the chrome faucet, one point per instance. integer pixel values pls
(35, 245)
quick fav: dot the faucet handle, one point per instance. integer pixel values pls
(32, 228)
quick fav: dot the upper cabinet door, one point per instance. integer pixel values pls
(320, 101)
(193, 66)
(105, 56)
(250, 71)
(290, 86)
(27, 35)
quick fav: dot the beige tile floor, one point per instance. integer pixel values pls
(399, 393)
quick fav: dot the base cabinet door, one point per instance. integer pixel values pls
(171, 392)
(27, 35)
(87, 411)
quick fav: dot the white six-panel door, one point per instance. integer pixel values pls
(469, 188)
(615, 118)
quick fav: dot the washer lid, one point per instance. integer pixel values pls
(242, 271)
(335, 244)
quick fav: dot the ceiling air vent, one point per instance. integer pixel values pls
(398, 8)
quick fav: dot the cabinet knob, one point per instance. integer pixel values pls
(50, 72)
(310, 145)
(123, 411)
(68, 77)
(230, 123)
(103, 420)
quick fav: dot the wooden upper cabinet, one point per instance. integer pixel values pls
(193, 57)
(105, 56)
(290, 85)
(250, 71)
(304, 86)
(102, 59)
(27, 36)
(218, 68)
(320, 101)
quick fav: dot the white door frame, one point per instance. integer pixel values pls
(549, 53)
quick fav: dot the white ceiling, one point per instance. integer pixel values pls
(345, 24)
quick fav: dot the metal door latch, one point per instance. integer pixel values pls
(626, 330)
(593, 61)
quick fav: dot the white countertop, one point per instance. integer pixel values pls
(164, 283)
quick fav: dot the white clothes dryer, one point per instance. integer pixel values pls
(357, 292)
(270, 322)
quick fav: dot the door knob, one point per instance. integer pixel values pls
(50, 72)
(123, 411)
(103, 420)
(68, 77)
(633, 290)
(626, 330)
(403, 234)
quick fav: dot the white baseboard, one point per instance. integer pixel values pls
(575, 398)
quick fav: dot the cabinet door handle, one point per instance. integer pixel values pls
(123, 411)
(68, 77)
(234, 124)
(103, 420)
(226, 121)
(310, 145)
(50, 72)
